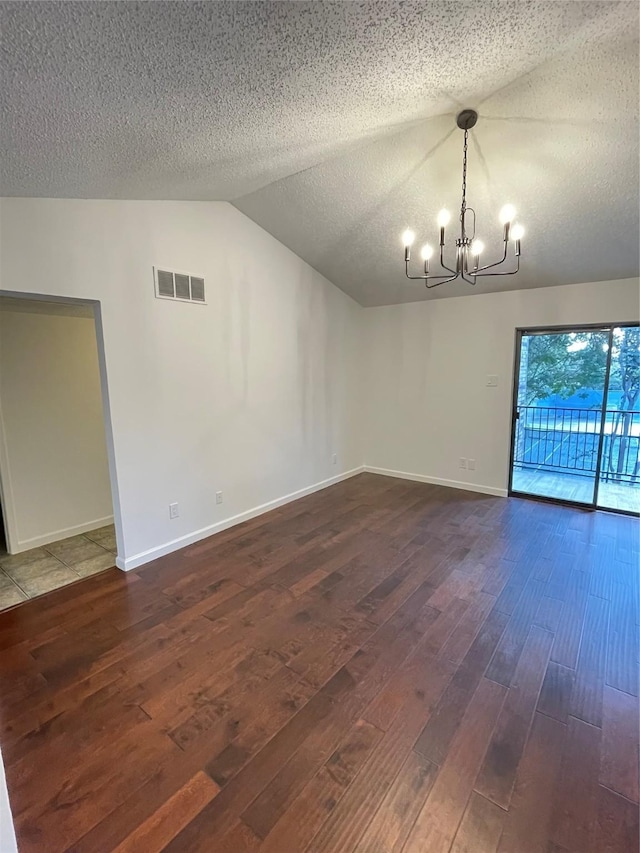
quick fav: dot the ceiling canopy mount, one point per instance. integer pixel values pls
(466, 119)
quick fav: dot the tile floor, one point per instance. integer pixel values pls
(41, 570)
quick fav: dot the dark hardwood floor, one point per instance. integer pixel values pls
(382, 666)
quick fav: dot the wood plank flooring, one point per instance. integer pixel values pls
(383, 666)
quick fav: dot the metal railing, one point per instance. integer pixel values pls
(555, 439)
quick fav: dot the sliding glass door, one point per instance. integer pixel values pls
(619, 473)
(576, 424)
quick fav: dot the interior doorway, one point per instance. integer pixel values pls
(56, 459)
(3, 535)
(576, 416)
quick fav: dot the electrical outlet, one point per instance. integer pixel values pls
(463, 462)
(492, 380)
(174, 511)
(334, 458)
(471, 464)
(218, 497)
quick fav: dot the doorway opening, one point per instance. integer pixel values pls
(3, 535)
(56, 471)
(576, 416)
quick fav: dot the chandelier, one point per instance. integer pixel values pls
(468, 246)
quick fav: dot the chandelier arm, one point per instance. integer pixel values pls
(442, 263)
(510, 272)
(471, 281)
(451, 278)
(501, 261)
(431, 277)
(428, 276)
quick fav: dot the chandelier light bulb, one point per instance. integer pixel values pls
(443, 218)
(408, 237)
(477, 247)
(427, 252)
(507, 214)
(517, 232)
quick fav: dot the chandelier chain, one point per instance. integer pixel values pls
(464, 178)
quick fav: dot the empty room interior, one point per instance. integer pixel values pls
(319, 426)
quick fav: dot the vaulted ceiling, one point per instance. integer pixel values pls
(332, 124)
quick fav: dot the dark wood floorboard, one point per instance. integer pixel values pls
(381, 667)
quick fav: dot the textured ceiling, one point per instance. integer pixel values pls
(332, 124)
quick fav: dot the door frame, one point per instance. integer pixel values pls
(6, 495)
(541, 330)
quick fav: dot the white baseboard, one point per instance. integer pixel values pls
(45, 539)
(161, 550)
(438, 481)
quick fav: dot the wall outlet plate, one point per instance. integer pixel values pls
(174, 511)
(463, 462)
(218, 497)
(334, 458)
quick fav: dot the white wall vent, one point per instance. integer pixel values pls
(179, 286)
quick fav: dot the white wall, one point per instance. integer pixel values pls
(250, 394)
(7, 832)
(54, 465)
(427, 402)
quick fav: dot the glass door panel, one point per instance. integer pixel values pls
(619, 477)
(558, 413)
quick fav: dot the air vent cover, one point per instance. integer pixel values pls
(197, 289)
(165, 284)
(179, 286)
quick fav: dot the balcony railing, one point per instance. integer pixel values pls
(555, 439)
